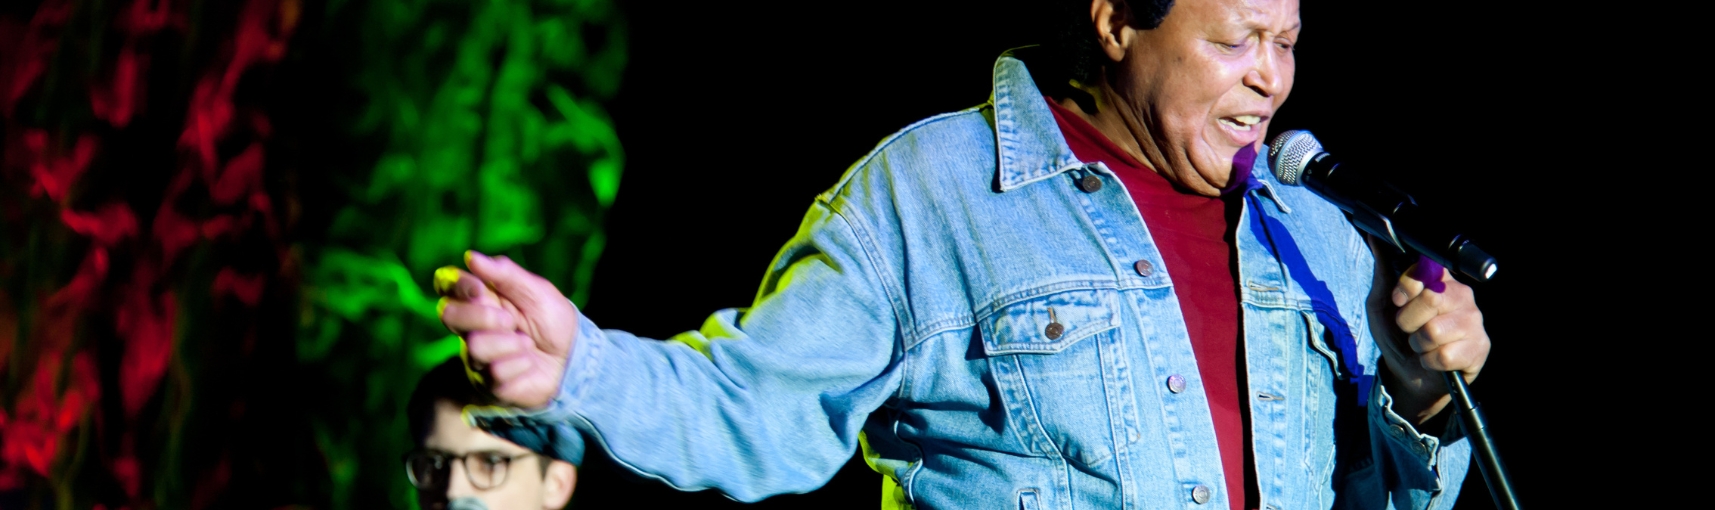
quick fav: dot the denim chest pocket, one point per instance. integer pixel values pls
(1056, 364)
(1048, 324)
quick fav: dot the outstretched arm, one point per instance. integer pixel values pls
(757, 402)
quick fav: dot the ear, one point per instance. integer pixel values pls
(1114, 33)
(558, 484)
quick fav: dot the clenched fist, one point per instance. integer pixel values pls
(518, 328)
(1439, 330)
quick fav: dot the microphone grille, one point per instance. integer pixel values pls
(1290, 152)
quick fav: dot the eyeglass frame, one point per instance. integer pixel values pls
(463, 460)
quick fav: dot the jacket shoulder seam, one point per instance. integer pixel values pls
(886, 143)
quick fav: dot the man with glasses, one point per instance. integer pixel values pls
(460, 467)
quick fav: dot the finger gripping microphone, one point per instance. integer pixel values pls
(1375, 206)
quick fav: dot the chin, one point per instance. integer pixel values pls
(1217, 173)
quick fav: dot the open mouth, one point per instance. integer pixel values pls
(1241, 122)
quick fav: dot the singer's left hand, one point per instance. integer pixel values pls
(1439, 330)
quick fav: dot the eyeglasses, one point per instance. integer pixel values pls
(428, 469)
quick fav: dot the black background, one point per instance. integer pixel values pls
(734, 116)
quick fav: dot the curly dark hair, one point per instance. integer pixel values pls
(1071, 44)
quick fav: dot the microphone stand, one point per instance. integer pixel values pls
(1471, 418)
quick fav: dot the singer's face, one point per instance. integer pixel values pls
(523, 485)
(1206, 82)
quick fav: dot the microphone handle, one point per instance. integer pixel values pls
(1476, 430)
(1393, 216)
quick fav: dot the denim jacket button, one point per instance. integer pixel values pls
(1054, 330)
(1175, 383)
(1090, 183)
(1144, 268)
(1200, 494)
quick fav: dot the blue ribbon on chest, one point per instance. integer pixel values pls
(1272, 231)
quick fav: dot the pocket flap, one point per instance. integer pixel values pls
(1050, 323)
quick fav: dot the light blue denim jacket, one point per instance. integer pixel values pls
(910, 314)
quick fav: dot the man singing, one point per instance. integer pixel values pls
(1086, 293)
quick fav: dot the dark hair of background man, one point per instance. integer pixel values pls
(446, 382)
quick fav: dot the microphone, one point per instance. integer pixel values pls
(467, 503)
(1376, 206)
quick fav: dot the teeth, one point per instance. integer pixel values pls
(1238, 125)
(1248, 119)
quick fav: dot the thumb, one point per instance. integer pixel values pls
(1423, 275)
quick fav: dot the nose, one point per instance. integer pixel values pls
(458, 482)
(1268, 77)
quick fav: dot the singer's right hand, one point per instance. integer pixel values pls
(517, 327)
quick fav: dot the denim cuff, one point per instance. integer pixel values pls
(1400, 431)
(550, 430)
(1427, 470)
(582, 368)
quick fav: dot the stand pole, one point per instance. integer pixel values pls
(1471, 418)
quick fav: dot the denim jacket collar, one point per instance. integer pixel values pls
(1028, 140)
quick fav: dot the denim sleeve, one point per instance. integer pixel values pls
(759, 401)
(1408, 469)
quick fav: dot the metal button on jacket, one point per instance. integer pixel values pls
(1054, 329)
(1175, 383)
(1090, 183)
(1200, 494)
(1144, 268)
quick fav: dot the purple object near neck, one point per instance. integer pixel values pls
(1243, 162)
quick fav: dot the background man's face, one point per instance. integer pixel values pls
(524, 486)
(1208, 79)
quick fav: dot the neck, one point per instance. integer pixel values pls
(1110, 114)
(1121, 123)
